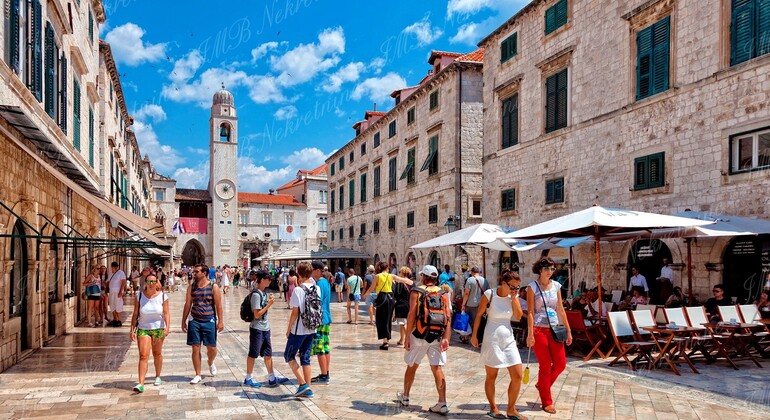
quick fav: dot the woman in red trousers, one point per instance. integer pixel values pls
(543, 295)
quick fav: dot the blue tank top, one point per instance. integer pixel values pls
(203, 303)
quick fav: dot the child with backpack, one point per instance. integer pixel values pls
(254, 310)
(428, 332)
(306, 317)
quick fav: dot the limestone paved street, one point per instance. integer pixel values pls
(89, 373)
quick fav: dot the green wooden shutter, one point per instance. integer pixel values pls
(550, 103)
(91, 136)
(556, 101)
(510, 121)
(63, 99)
(14, 23)
(763, 27)
(555, 16)
(549, 192)
(76, 114)
(644, 63)
(363, 187)
(50, 73)
(332, 205)
(656, 167)
(660, 56)
(433, 146)
(342, 197)
(90, 26)
(37, 50)
(376, 182)
(742, 31)
(508, 48)
(550, 20)
(352, 192)
(640, 173)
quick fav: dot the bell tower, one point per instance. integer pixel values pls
(223, 178)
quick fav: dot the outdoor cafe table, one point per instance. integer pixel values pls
(671, 349)
(736, 336)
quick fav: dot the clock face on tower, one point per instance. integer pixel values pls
(225, 189)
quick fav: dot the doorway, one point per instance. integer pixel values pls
(19, 281)
(743, 264)
(647, 256)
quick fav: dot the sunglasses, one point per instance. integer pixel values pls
(150, 281)
(196, 271)
(716, 291)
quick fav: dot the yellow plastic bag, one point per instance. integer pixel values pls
(525, 377)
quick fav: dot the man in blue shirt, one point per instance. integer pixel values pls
(320, 345)
(447, 277)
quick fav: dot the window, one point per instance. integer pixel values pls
(63, 94)
(392, 129)
(266, 218)
(376, 181)
(363, 229)
(332, 168)
(410, 219)
(351, 157)
(51, 54)
(508, 200)
(332, 235)
(554, 191)
(433, 214)
(363, 187)
(332, 203)
(90, 26)
(303, 198)
(323, 224)
(391, 223)
(91, 137)
(392, 174)
(476, 208)
(434, 100)
(243, 218)
(376, 226)
(652, 59)
(376, 140)
(76, 114)
(431, 162)
(224, 133)
(508, 48)
(510, 121)
(750, 151)
(649, 171)
(342, 231)
(342, 197)
(352, 192)
(749, 30)
(323, 196)
(409, 169)
(351, 233)
(288, 218)
(342, 163)
(556, 101)
(556, 16)
(410, 116)
(363, 148)
(160, 194)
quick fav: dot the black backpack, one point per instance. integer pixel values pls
(247, 314)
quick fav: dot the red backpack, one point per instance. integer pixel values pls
(432, 314)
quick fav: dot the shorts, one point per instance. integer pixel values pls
(259, 343)
(400, 321)
(320, 341)
(420, 347)
(354, 298)
(159, 333)
(116, 303)
(338, 288)
(94, 297)
(371, 299)
(298, 344)
(202, 332)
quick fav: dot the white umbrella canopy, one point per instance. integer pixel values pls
(600, 222)
(482, 233)
(725, 225)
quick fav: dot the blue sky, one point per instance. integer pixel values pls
(302, 72)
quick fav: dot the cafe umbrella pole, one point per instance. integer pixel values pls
(598, 264)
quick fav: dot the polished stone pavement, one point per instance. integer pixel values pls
(89, 373)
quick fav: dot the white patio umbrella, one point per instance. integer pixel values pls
(600, 222)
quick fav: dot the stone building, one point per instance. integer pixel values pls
(649, 105)
(310, 188)
(57, 220)
(409, 170)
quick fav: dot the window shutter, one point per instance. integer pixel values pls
(506, 125)
(91, 137)
(63, 99)
(363, 187)
(37, 50)
(14, 19)
(742, 32)
(561, 14)
(661, 43)
(352, 192)
(550, 195)
(332, 204)
(561, 105)
(550, 20)
(90, 26)
(656, 170)
(763, 27)
(640, 173)
(50, 74)
(76, 114)
(550, 103)
(558, 192)
(643, 62)
(342, 197)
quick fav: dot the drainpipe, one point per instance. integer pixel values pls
(458, 154)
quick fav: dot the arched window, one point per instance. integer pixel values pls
(224, 132)
(410, 261)
(434, 259)
(18, 289)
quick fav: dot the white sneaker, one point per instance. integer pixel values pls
(213, 370)
(439, 408)
(196, 379)
(402, 399)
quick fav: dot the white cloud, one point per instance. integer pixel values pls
(262, 50)
(264, 89)
(257, 178)
(305, 61)
(348, 73)
(377, 64)
(379, 89)
(195, 177)
(150, 112)
(467, 7)
(163, 157)
(285, 113)
(186, 67)
(198, 151)
(129, 48)
(307, 158)
(472, 32)
(467, 34)
(201, 90)
(423, 31)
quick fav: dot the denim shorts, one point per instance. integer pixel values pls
(259, 343)
(298, 344)
(204, 332)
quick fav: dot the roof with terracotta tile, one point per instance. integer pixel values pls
(475, 56)
(368, 114)
(261, 198)
(184, 194)
(436, 54)
(321, 170)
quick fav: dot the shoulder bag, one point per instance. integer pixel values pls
(559, 332)
(479, 333)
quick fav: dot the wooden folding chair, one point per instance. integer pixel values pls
(729, 313)
(703, 343)
(676, 316)
(750, 315)
(620, 327)
(585, 336)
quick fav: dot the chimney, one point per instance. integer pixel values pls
(272, 191)
(375, 107)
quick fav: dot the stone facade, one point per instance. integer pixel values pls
(609, 130)
(310, 188)
(446, 105)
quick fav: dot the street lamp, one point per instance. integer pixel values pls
(451, 224)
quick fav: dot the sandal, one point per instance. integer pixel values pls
(549, 409)
(350, 322)
(384, 346)
(516, 416)
(496, 415)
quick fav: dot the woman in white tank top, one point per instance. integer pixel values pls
(150, 324)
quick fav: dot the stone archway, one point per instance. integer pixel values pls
(193, 253)
(647, 256)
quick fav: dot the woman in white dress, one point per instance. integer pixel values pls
(499, 348)
(225, 280)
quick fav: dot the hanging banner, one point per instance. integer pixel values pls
(290, 233)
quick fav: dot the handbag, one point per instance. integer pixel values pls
(483, 321)
(559, 332)
(461, 323)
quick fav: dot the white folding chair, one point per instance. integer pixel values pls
(643, 318)
(728, 313)
(617, 297)
(620, 327)
(607, 307)
(676, 316)
(697, 316)
(750, 314)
